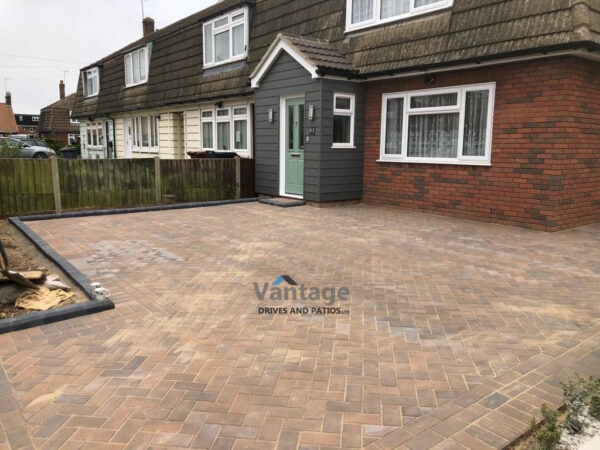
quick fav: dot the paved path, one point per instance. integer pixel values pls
(457, 331)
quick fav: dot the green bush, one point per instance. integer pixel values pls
(580, 392)
(9, 151)
(548, 434)
(55, 144)
(595, 407)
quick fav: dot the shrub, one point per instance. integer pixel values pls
(595, 407)
(8, 151)
(548, 435)
(55, 144)
(574, 390)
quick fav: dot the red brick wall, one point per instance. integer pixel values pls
(545, 171)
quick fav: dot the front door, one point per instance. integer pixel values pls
(294, 146)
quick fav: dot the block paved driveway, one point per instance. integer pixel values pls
(457, 332)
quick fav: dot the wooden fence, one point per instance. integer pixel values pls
(31, 186)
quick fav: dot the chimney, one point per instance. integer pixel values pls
(148, 25)
(8, 98)
(61, 89)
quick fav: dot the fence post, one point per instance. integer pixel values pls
(55, 184)
(157, 180)
(238, 177)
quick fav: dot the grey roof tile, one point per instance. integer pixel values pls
(470, 30)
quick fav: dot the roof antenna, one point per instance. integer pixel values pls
(142, 2)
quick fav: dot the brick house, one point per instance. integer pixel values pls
(481, 110)
(55, 120)
(28, 124)
(8, 124)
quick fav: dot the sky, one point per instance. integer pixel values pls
(39, 39)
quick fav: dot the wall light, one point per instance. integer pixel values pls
(430, 79)
(311, 112)
(271, 115)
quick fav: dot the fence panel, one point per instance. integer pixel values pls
(108, 183)
(196, 180)
(26, 185)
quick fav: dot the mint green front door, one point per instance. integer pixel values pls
(294, 146)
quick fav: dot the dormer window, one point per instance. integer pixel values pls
(366, 13)
(91, 82)
(136, 67)
(226, 38)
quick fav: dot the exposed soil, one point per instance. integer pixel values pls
(22, 255)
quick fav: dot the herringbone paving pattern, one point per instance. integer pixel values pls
(440, 310)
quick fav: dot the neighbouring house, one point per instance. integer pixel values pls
(56, 120)
(28, 124)
(152, 97)
(8, 124)
(482, 110)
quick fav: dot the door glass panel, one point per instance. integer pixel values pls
(301, 128)
(290, 127)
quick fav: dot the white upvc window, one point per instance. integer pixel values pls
(226, 129)
(343, 120)
(145, 134)
(438, 126)
(366, 13)
(136, 67)
(91, 82)
(226, 38)
(94, 134)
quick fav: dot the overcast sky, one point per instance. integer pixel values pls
(41, 38)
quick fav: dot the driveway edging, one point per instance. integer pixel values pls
(90, 306)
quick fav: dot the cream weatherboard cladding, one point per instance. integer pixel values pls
(179, 131)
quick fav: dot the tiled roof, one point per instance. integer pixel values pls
(471, 30)
(8, 124)
(56, 117)
(321, 53)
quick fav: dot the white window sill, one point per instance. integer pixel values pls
(435, 161)
(139, 150)
(222, 63)
(342, 147)
(127, 86)
(91, 96)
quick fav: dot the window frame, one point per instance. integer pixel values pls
(92, 135)
(409, 111)
(376, 20)
(231, 118)
(129, 55)
(87, 74)
(153, 133)
(229, 28)
(347, 113)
